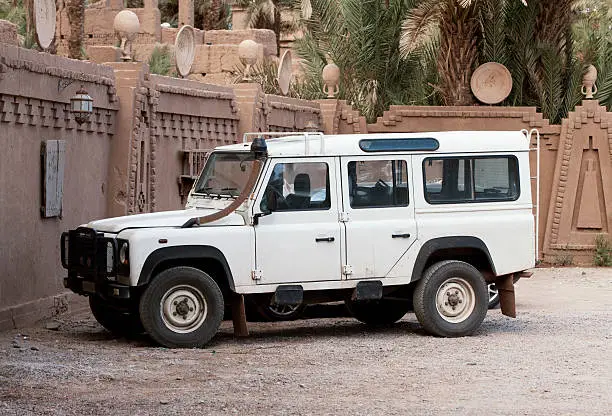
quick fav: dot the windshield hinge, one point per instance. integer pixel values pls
(256, 274)
(347, 269)
(343, 217)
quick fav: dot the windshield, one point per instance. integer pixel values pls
(225, 174)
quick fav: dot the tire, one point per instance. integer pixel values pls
(493, 295)
(182, 308)
(119, 322)
(378, 312)
(451, 299)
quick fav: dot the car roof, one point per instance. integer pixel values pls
(318, 144)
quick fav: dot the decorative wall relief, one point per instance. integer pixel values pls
(581, 199)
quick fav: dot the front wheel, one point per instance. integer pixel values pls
(118, 321)
(182, 307)
(451, 299)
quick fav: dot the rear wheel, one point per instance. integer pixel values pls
(118, 321)
(451, 299)
(378, 312)
(182, 307)
(493, 295)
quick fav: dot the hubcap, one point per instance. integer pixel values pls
(183, 309)
(455, 300)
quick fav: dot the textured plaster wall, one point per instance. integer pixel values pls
(35, 89)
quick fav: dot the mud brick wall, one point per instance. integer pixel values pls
(35, 90)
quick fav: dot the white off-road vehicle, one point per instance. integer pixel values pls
(388, 223)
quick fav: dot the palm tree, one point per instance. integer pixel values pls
(362, 37)
(534, 40)
(267, 14)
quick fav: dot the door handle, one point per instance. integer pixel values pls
(324, 239)
(400, 235)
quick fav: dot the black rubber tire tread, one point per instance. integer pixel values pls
(118, 322)
(150, 307)
(425, 293)
(378, 312)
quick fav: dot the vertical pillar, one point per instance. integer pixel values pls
(328, 115)
(249, 98)
(186, 13)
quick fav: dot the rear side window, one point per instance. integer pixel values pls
(378, 183)
(471, 179)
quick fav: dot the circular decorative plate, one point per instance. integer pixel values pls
(285, 72)
(44, 21)
(184, 50)
(491, 83)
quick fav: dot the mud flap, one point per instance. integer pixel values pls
(505, 288)
(239, 316)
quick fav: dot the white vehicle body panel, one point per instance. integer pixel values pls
(377, 237)
(286, 242)
(283, 246)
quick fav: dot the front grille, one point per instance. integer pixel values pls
(89, 253)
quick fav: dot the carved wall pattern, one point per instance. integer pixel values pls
(55, 115)
(152, 127)
(582, 184)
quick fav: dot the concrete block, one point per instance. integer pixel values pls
(101, 54)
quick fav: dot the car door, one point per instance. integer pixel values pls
(298, 237)
(377, 213)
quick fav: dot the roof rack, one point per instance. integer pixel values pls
(307, 138)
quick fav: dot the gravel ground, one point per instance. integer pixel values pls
(554, 359)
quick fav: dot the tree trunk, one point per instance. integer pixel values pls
(277, 25)
(76, 16)
(29, 15)
(211, 15)
(459, 36)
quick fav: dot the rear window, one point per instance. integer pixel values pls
(471, 179)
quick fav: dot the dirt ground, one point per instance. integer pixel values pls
(554, 359)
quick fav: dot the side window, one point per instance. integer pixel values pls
(378, 183)
(297, 187)
(478, 179)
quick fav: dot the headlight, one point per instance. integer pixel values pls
(124, 256)
(110, 257)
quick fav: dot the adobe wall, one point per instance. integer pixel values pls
(35, 89)
(167, 125)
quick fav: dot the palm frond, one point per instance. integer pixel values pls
(419, 25)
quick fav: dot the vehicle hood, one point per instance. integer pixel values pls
(162, 219)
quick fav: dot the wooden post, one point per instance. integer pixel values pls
(239, 316)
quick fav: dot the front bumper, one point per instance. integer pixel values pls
(103, 289)
(91, 260)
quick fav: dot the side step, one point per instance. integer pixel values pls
(288, 295)
(368, 290)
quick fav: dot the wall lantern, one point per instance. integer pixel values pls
(81, 105)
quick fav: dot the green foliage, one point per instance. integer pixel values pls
(603, 251)
(160, 62)
(14, 14)
(362, 37)
(204, 10)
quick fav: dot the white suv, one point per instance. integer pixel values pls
(387, 223)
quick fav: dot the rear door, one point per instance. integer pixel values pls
(377, 212)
